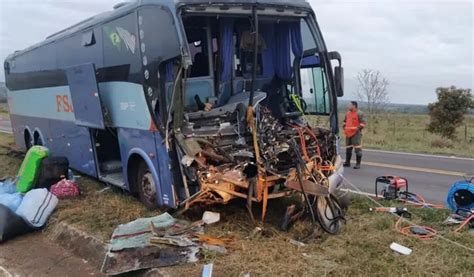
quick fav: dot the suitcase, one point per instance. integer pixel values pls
(37, 206)
(30, 167)
(52, 170)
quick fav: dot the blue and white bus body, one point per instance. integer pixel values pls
(132, 92)
(48, 118)
(47, 111)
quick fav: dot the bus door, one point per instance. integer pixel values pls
(85, 96)
(89, 113)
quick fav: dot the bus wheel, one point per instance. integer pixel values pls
(146, 186)
(28, 140)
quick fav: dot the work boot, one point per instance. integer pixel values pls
(358, 158)
(347, 163)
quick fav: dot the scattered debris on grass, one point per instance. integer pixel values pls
(207, 270)
(400, 248)
(160, 241)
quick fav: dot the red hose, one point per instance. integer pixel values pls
(464, 223)
(407, 230)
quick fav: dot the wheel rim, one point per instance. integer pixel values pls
(149, 188)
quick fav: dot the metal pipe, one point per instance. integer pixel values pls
(255, 56)
(299, 175)
(210, 53)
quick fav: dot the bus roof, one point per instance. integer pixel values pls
(288, 3)
(126, 7)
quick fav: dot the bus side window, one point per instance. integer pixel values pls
(120, 50)
(314, 90)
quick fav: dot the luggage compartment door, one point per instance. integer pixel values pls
(85, 96)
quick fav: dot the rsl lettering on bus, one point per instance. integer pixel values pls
(63, 104)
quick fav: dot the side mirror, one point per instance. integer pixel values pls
(338, 73)
(339, 80)
(334, 55)
(6, 66)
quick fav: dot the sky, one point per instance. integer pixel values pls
(417, 45)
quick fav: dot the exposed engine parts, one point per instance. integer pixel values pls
(226, 155)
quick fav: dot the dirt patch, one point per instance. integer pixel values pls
(78, 242)
(34, 255)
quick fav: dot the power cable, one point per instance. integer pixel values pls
(402, 218)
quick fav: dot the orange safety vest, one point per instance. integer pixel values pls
(352, 124)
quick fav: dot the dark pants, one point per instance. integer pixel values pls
(354, 142)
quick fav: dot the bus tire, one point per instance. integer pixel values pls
(37, 139)
(146, 186)
(329, 214)
(28, 139)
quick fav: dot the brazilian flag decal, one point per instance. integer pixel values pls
(114, 37)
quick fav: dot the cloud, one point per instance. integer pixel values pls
(417, 45)
(24, 23)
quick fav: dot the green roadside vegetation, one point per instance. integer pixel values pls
(407, 133)
(362, 248)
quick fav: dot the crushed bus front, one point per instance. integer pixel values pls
(248, 135)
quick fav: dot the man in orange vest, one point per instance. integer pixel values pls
(354, 122)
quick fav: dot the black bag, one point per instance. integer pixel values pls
(52, 170)
(12, 225)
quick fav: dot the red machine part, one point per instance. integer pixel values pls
(393, 183)
(398, 182)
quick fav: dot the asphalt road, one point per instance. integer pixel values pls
(428, 175)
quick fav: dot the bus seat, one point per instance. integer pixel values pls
(229, 107)
(203, 88)
(239, 85)
(200, 87)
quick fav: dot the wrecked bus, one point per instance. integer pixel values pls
(188, 101)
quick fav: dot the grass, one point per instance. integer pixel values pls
(362, 248)
(407, 133)
(4, 113)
